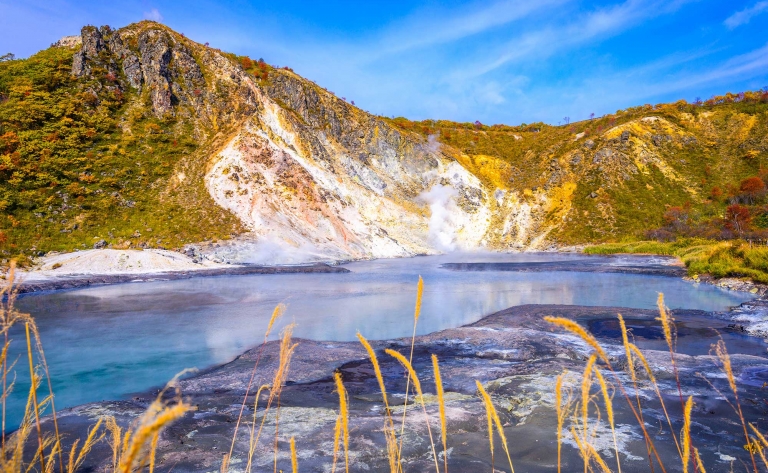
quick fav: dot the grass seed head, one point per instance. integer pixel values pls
(576, 329)
(441, 403)
(419, 293)
(489, 407)
(686, 433)
(376, 368)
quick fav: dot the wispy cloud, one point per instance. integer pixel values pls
(744, 16)
(154, 15)
(591, 26)
(430, 27)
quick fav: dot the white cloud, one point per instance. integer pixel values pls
(744, 16)
(431, 28)
(154, 15)
(598, 24)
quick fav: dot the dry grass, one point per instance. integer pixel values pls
(441, 403)
(393, 452)
(420, 394)
(342, 423)
(490, 411)
(416, 314)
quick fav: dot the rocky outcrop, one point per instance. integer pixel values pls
(148, 57)
(92, 44)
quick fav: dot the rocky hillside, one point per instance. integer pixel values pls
(140, 137)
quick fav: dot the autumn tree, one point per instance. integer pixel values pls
(677, 218)
(737, 218)
(751, 190)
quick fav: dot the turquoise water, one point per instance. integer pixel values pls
(108, 342)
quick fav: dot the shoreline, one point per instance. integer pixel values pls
(41, 280)
(78, 281)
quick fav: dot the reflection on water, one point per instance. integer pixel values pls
(106, 342)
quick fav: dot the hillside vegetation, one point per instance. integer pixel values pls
(624, 174)
(85, 159)
(134, 137)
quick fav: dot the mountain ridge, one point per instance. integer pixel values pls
(237, 161)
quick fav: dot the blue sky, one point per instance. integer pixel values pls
(493, 61)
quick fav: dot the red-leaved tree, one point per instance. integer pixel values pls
(737, 218)
(752, 189)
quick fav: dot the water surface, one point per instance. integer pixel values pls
(107, 342)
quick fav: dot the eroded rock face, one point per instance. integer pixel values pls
(92, 44)
(150, 57)
(155, 54)
(318, 197)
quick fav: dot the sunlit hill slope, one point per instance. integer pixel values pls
(140, 138)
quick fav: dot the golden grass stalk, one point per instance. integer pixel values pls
(579, 331)
(441, 402)
(284, 361)
(586, 384)
(336, 440)
(725, 359)
(294, 460)
(252, 437)
(391, 438)
(489, 408)
(132, 448)
(666, 321)
(76, 459)
(9, 316)
(35, 405)
(633, 375)
(655, 385)
(389, 433)
(342, 424)
(152, 423)
(699, 464)
(625, 340)
(760, 448)
(416, 384)
(489, 426)
(153, 452)
(115, 440)
(55, 449)
(598, 459)
(277, 313)
(562, 412)
(419, 294)
(609, 410)
(685, 435)
(286, 353)
(6, 290)
(576, 329)
(416, 314)
(376, 368)
(583, 450)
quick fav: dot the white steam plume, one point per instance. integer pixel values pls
(442, 228)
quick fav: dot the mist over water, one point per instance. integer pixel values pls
(108, 342)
